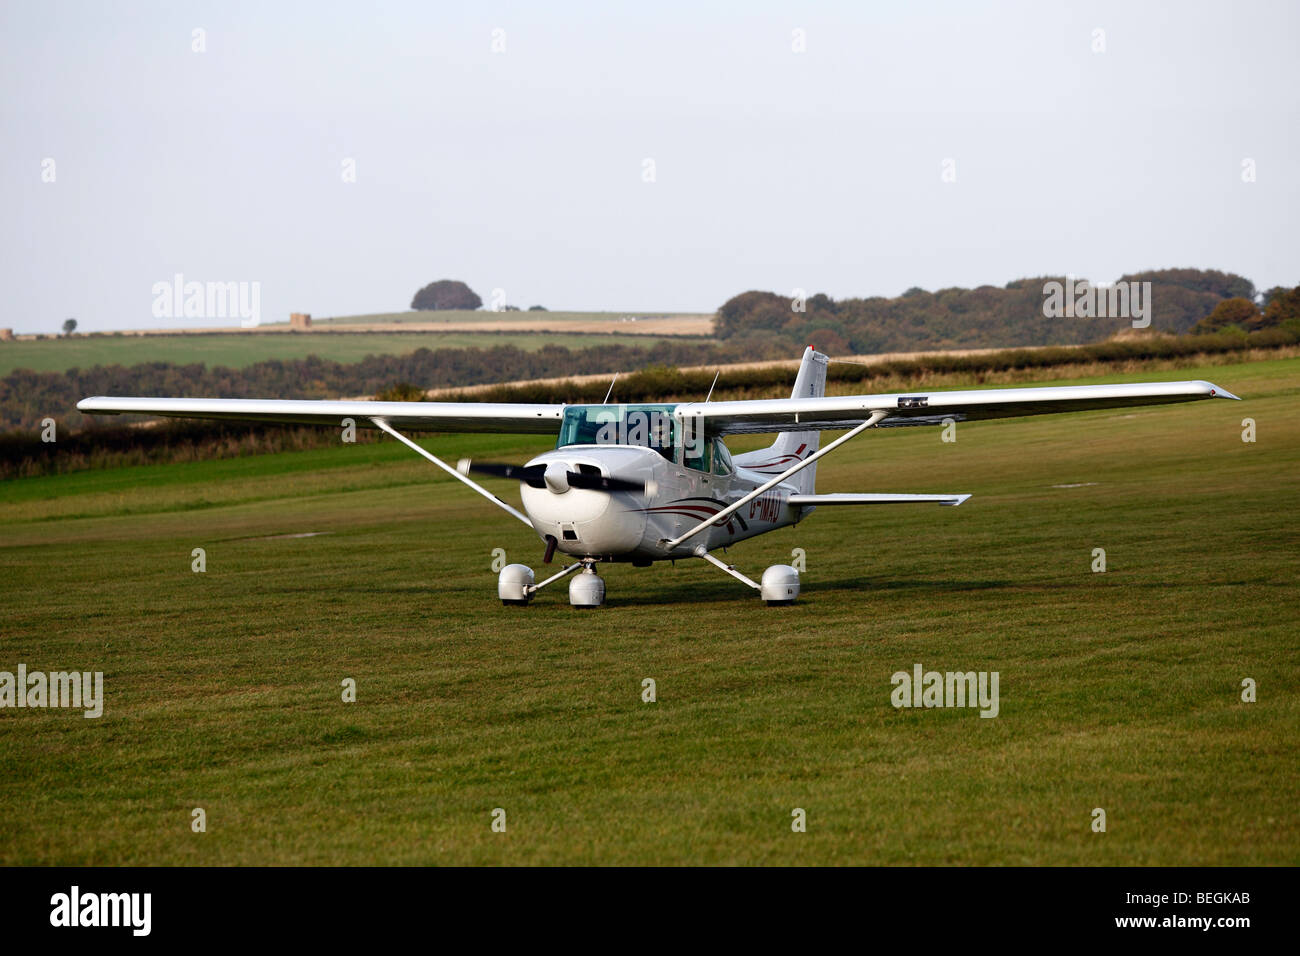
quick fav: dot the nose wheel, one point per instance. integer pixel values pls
(588, 588)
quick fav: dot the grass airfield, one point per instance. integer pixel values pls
(240, 350)
(1119, 690)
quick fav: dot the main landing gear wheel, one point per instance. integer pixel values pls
(515, 585)
(780, 585)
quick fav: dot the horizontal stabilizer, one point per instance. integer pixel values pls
(812, 500)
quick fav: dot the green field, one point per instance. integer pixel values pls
(487, 315)
(236, 350)
(1119, 690)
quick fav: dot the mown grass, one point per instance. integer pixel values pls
(1118, 690)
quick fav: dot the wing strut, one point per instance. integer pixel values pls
(384, 426)
(875, 417)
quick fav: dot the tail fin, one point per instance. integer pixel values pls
(791, 447)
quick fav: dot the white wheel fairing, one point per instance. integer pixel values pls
(514, 582)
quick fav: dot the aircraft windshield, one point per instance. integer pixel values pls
(650, 426)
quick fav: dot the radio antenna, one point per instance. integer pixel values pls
(611, 390)
(715, 382)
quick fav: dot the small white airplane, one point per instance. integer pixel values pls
(655, 482)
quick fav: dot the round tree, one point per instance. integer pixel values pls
(446, 294)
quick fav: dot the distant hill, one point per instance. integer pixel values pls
(346, 338)
(984, 317)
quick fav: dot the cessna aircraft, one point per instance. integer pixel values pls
(655, 482)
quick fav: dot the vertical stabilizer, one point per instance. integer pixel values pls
(792, 447)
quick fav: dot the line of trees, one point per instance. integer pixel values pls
(1279, 306)
(983, 317)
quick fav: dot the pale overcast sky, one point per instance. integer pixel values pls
(525, 169)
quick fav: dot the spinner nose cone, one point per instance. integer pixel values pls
(557, 477)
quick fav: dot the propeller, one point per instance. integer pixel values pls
(531, 475)
(579, 479)
(554, 475)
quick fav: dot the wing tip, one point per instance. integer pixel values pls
(1217, 392)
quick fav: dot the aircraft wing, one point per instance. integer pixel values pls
(932, 408)
(433, 416)
(813, 501)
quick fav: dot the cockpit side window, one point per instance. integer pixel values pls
(659, 434)
(721, 458)
(700, 457)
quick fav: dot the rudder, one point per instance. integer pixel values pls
(791, 447)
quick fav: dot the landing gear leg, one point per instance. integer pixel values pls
(780, 582)
(515, 583)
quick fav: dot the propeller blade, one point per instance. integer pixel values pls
(534, 476)
(601, 483)
(529, 474)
